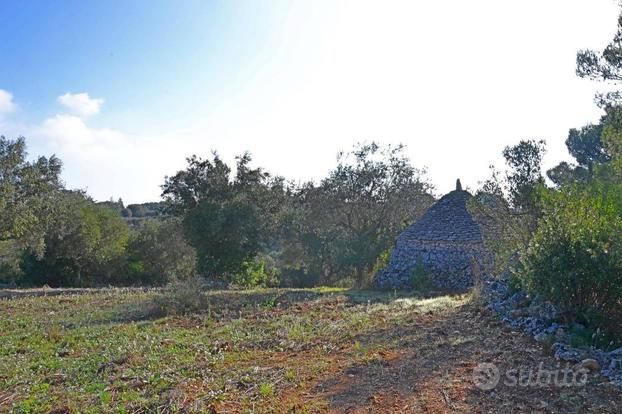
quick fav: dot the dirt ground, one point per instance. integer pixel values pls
(280, 351)
(434, 373)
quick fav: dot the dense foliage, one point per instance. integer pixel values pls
(84, 245)
(159, 254)
(238, 225)
(225, 219)
(342, 226)
(28, 191)
(308, 234)
(506, 206)
(587, 147)
(575, 256)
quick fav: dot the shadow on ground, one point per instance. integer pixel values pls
(429, 368)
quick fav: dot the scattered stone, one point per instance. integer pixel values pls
(544, 338)
(616, 353)
(517, 313)
(565, 352)
(615, 364)
(539, 321)
(590, 364)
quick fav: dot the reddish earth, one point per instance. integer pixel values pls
(432, 372)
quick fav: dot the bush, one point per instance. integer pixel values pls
(10, 260)
(159, 254)
(84, 245)
(182, 297)
(256, 273)
(298, 277)
(575, 257)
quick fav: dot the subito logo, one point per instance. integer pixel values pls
(486, 376)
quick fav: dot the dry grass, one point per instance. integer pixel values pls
(279, 351)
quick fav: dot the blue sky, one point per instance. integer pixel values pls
(140, 55)
(123, 91)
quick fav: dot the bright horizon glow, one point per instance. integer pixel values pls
(123, 93)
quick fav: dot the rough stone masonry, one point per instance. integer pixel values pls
(446, 243)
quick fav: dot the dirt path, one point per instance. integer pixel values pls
(433, 372)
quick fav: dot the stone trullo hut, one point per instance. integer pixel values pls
(445, 243)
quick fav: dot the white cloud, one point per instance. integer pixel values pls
(108, 162)
(81, 103)
(71, 131)
(6, 101)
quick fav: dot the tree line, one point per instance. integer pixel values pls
(234, 224)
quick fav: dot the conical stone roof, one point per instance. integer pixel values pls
(447, 220)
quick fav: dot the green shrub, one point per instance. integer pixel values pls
(351, 282)
(266, 390)
(575, 257)
(581, 337)
(181, 297)
(256, 273)
(270, 303)
(421, 279)
(159, 254)
(85, 245)
(10, 260)
(382, 261)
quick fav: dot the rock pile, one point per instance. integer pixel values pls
(446, 242)
(539, 320)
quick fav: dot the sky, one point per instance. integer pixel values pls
(124, 91)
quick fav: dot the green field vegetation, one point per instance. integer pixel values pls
(112, 352)
(268, 350)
